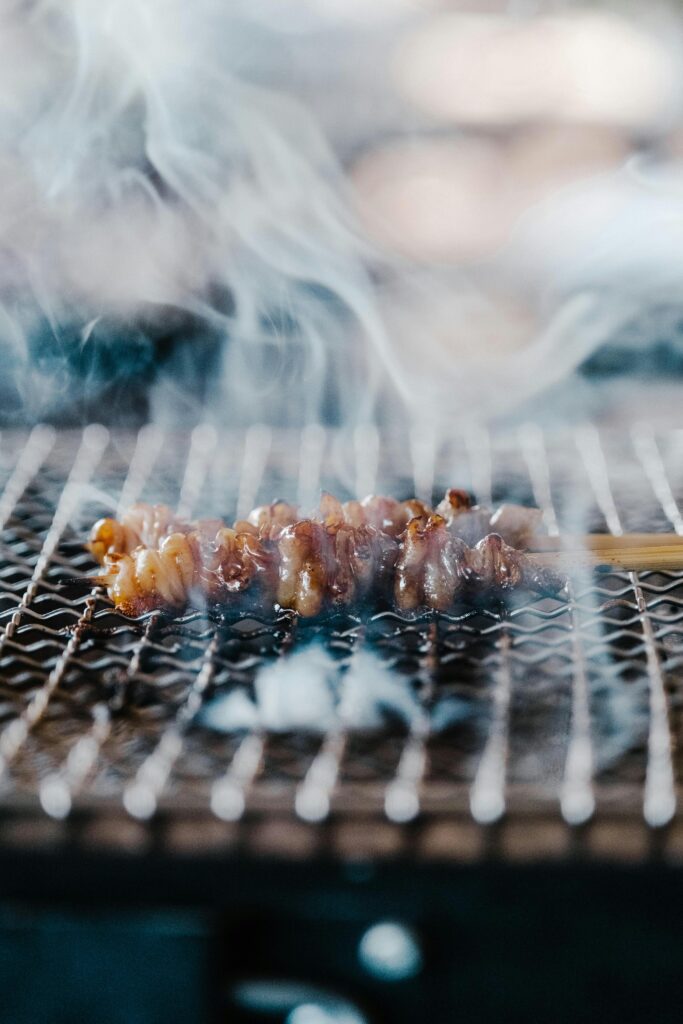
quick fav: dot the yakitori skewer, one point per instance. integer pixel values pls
(344, 554)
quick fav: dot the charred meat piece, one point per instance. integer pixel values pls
(392, 517)
(192, 569)
(304, 569)
(516, 524)
(429, 569)
(494, 568)
(346, 554)
(110, 537)
(331, 564)
(238, 564)
(384, 515)
(364, 561)
(269, 521)
(464, 520)
(434, 568)
(140, 526)
(454, 502)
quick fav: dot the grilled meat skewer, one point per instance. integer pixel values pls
(348, 554)
(434, 568)
(147, 525)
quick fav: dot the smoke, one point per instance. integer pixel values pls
(142, 173)
(309, 691)
(173, 218)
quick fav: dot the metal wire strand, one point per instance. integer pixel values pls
(659, 800)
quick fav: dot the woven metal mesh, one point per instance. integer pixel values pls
(572, 707)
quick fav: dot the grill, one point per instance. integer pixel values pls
(566, 743)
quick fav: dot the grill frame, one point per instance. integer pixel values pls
(312, 804)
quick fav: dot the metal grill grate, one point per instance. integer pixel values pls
(572, 709)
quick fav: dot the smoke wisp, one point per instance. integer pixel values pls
(171, 213)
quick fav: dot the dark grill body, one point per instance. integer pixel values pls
(542, 817)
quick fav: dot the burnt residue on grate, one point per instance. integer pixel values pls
(567, 710)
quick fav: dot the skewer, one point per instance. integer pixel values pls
(637, 552)
(607, 541)
(629, 552)
(626, 558)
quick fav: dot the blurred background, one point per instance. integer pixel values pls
(302, 210)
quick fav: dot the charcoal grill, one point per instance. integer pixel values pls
(112, 784)
(101, 713)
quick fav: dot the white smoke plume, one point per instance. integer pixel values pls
(154, 181)
(141, 170)
(309, 691)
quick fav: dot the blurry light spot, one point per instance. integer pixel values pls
(139, 801)
(390, 951)
(55, 797)
(546, 159)
(458, 200)
(325, 1013)
(402, 803)
(312, 804)
(585, 66)
(302, 1003)
(433, 200)
(487, 805)
(466, 336)
(659, 807)
(227, 801)
(578, 805)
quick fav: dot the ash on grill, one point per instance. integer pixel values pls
(566, 709)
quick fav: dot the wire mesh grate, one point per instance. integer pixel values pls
(565, 710)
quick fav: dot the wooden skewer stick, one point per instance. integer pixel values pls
(668, 557)
(630, 552)
(608, 542)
